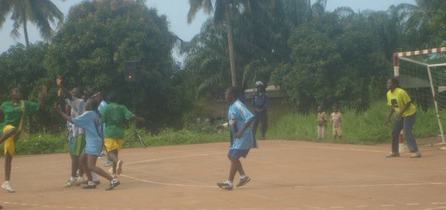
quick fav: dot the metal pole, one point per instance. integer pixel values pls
(429, 73)
(437, 65)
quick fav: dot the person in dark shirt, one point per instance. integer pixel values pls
(260, 104)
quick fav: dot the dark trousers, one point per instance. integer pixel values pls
(262, 119)
(406, 124)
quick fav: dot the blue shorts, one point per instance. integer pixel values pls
(93, 148)
(235, 154)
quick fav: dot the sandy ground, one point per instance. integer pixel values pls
(285, 175)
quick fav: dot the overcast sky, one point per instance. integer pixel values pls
(176, 12)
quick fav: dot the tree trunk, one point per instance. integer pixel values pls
(231, 46)
(25, 31)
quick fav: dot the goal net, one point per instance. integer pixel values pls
(423, 74)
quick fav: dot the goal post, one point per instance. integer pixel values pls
(429, 72)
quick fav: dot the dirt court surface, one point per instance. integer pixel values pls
(285, 175)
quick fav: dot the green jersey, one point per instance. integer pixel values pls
(13, 112)
(114, 116)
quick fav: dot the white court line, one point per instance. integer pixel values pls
(166, 183)
(194, 186)
(166, 158)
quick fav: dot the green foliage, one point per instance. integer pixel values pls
(41, 144)
(170, 137)
(366, 127)
(100, 37)
(22, 67)
(316, 56)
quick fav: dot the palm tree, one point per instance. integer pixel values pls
(223, 11)
(43, 13)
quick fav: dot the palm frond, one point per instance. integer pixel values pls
(197, 5)
(210, 82)
(5, 9)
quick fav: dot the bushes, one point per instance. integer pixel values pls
(41, 144)
(171, 137)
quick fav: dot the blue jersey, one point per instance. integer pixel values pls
(90, 121)
(238, 116)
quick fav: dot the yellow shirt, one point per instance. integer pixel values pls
(397, 99)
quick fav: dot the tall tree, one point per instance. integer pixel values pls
(42, 13)
(103, 43)
(223, 10)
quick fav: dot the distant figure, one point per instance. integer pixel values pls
(260, 104)
(321, 123)
(336, 120)
(405, 110)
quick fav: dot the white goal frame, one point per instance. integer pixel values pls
(429, 67)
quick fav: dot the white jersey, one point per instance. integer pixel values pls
(77, 108)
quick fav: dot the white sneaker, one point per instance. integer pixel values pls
(71, 182)
(80, 180)
(7, 187)
(226, 185)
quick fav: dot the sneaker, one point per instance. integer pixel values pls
(415, 155)
(108, 163)
(113, 183)
(226, 185)
(102, 154)
(119, 167)
(393, 155)
(243, 181)
(7, 187)
(90, 185)
(71, 182)
(80, 180)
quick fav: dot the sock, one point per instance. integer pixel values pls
(95, 176)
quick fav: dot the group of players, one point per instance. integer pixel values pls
(93, 125)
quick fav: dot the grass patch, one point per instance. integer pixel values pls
(358, 128)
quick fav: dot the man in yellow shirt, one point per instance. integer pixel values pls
(402, 105)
